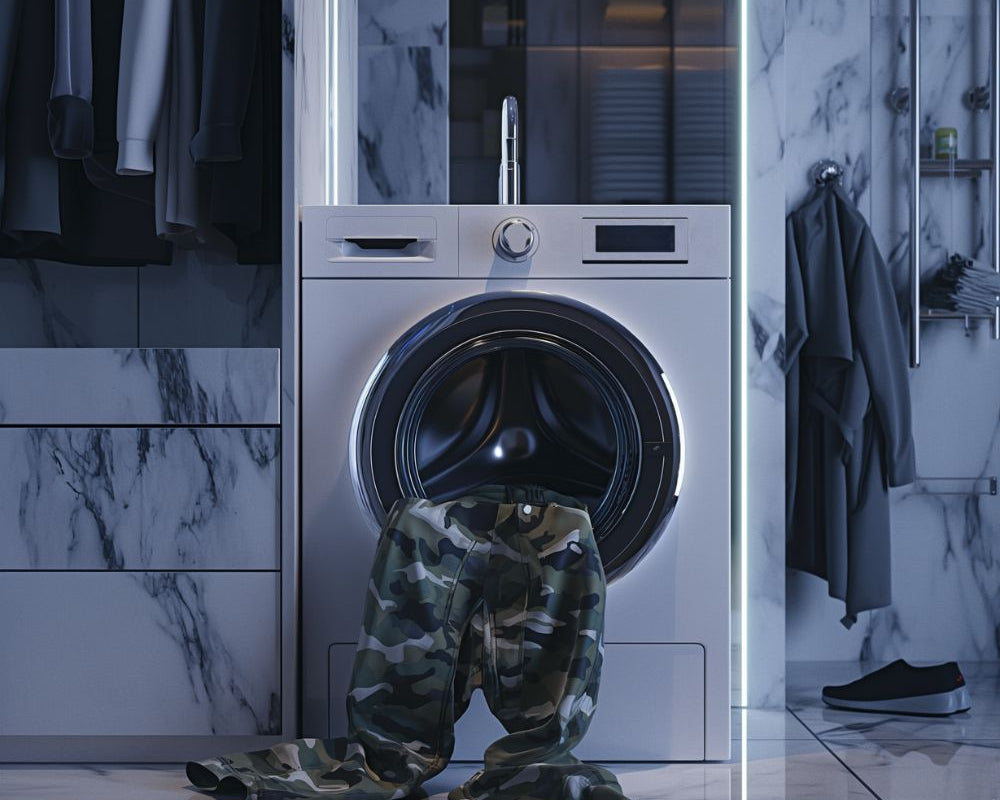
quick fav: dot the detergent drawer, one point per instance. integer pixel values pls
(670, 677)
(379, 242)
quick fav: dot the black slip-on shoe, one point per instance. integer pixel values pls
(903, 689)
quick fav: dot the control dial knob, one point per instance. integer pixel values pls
(515, 239)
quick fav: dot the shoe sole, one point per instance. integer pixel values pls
(929, 705)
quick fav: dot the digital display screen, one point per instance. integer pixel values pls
(634, 239)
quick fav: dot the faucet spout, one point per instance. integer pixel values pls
(509, 187)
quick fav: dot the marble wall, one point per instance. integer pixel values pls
(767, 131)
(202, 299)
(946, 547)
(402, 112)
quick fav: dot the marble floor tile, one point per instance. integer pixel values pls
(914, 769)
(981, 723)
(764, 724)
(95, 782)
(829, 724)
(772, 770)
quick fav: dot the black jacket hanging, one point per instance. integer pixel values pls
(31, 186)
(848, 402)
(239, 138)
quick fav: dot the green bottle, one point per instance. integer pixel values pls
(945, 143)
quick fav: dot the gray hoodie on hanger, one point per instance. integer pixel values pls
(849, 432)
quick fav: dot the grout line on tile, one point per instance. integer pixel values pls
(828, 749)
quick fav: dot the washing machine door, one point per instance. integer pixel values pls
(524, 388)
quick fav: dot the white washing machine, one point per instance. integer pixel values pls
(583, 348)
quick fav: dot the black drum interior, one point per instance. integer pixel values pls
(526, 389)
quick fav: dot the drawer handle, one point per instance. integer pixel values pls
(381, 243)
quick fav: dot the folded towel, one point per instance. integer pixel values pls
(964, 286)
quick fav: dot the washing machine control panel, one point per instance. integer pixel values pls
(531, 242)
(515, 239)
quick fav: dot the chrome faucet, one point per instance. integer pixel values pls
(510, 170)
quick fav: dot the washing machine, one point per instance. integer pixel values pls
(583, 348)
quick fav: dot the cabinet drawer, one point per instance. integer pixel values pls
(139, 498)
(139, 654)
(139, 386)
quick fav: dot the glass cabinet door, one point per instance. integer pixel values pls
(621, 101)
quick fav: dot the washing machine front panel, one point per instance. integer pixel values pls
(678, 592)
(673, 598)
(520, 387)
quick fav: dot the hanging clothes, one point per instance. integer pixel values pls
(848, 411)
(142, 81)
(239, 136)
(109, 153)
(107, 218)
(101, 166)
(71, 115)
(260, 241)
(231, 28)
(178, 182)
(10, 27)
(31, 191)
(51, 209)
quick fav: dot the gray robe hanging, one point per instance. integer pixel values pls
(848, 402)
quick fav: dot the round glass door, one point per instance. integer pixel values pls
(520, 388)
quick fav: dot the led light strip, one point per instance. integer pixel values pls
(744, 17)
(331, 96)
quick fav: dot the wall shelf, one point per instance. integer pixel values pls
(970, 320)
(942, 315)
(964, 167)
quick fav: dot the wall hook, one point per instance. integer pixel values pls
(899, 100)
(826, 171)
(978, 98)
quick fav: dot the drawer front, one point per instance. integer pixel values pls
(139, 386)
(139, 654)
(139, 498)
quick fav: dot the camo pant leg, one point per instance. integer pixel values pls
(463, 594)
(425, 590)
(544, 601)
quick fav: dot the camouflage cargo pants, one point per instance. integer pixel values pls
(502, 591)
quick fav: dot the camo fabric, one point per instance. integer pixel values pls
(502, 591)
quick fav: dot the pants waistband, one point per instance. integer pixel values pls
(522, 493)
